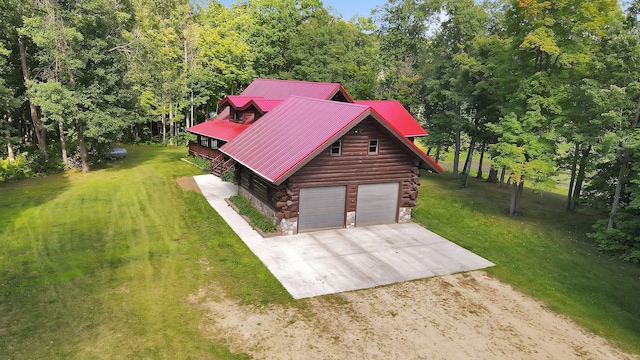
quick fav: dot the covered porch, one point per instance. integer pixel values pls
(208, 148)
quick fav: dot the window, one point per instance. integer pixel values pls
(214, 143)
(373, 146)
(236, 116)
(204, 141)
(335, 148)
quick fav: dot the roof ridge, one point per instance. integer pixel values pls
(298, 81)
(327, 101)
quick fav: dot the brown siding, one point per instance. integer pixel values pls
(196, 149)
(248, 117)
(339, 96)
(257, 186)
(355, 166)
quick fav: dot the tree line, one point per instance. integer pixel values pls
(538, 87)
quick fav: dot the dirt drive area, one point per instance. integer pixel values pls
(188, 183)
(463, 316)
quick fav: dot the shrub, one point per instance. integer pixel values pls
(622, 241)
(200, 162)
(228, 175)
(19, 169)
(245, 207)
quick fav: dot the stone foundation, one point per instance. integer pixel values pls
(288, 226)
(404, 215)
(351, 219)
(265, 209)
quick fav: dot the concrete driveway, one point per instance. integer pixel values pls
(333, 261)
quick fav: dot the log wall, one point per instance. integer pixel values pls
(270, 194)
(356, 166)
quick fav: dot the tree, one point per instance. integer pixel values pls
(271, 27)
(158, 66)
(7, 104)
(222, 58)
(11, 15)
(551, 45)
(455, 75)
(404, 27)
(81, 65)
(329, 49)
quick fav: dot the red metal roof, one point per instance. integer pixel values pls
(288, 137)
(284, 137)
(426, 159)
(267, 104)
(219, 128)
(282, 89)
(401, 120)
(238, 101)
(429, 161)
(242, 102)
(393, 112)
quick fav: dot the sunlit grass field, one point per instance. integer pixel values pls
(102, 265)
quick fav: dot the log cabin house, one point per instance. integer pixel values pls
(310, 157)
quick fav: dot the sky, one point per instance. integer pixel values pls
(347, 8)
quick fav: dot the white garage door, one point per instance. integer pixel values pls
(377, 204)
(321, 208)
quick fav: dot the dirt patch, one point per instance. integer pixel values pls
(462, 316)
(188, 183)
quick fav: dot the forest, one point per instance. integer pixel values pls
(535, 87)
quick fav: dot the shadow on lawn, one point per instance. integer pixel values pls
(19, 196)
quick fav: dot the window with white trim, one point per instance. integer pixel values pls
(373, 146)
(336, 148)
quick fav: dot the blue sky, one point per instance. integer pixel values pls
(347, 8)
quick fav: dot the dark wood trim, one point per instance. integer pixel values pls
(195, 149)
(258, 186)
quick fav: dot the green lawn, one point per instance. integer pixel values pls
(101, 265)
(543, 252)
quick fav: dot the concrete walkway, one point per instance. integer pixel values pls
(332, 261)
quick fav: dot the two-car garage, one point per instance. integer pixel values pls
(324, 207)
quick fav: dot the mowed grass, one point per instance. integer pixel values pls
(543, 252)
(102, 265)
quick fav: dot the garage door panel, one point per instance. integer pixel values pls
(321, 208)
(377, 203)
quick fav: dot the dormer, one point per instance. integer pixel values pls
(246, 109)
(243, 116)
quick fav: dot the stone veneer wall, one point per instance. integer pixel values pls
(286, 226)
(289, 226)
(351, 219)
(404, 215)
